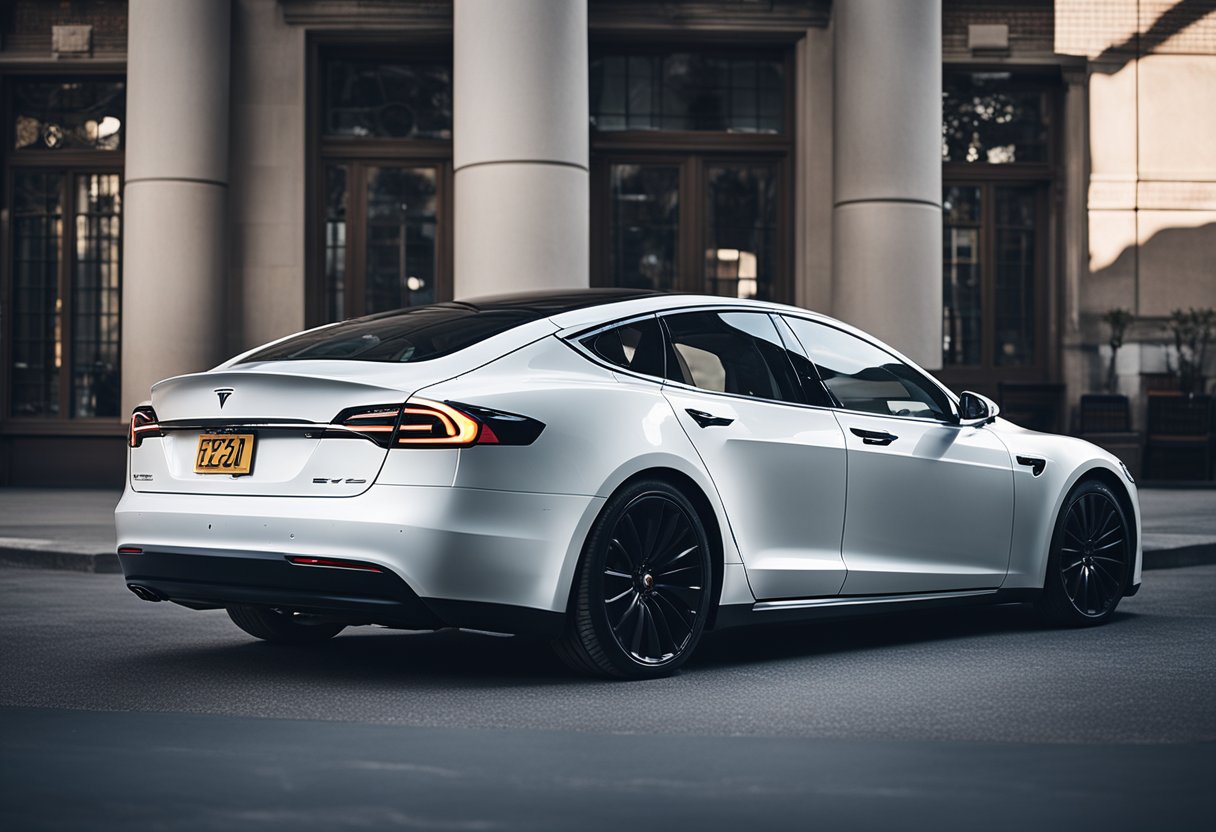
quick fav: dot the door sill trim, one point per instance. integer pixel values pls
(859, 600)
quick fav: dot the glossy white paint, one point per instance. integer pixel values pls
(803, 508)
(931, 511)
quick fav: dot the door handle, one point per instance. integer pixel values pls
(874, 437)
(707, 420)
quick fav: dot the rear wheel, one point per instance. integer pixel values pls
(281, 627)
(643, 590)
(1091, 558)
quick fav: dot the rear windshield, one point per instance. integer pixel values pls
(403, 336)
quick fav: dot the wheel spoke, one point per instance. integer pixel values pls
(654, 518)
(632, 539)
(628, 591)
(1073, 566)
(667, 641)
(666, 530)
(686, 618)
(629, 610)
(690, 596)
(1118, 542)
(667, 560)
(615, 544)
(639, 629)
(667, 573)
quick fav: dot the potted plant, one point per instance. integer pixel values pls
(1180, 421)
(1192, 331)
(1118, 320)
(1109, 412)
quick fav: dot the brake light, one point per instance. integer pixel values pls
(333, 563)
(423, 423)
(376, 423)
(143, 425)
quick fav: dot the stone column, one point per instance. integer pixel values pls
(520, 145)
(887, 215)
(175, 191)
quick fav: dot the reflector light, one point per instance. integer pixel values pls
(130, 550)
(333, 563)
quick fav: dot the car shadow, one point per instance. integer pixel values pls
(764, 643)
(475, 660)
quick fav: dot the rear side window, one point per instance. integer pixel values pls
(635, 346)
(731, 352)
(404, 336)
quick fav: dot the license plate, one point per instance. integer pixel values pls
(224, 453)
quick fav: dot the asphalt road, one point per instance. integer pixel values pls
(117, 713)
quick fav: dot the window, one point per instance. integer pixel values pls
(998, 152)
(402, 337)
(863, 377)
(62, 274)
(994, 118)
(688, 91)
(382, 185)
(636, 346)
(691, 153)
(731, 352)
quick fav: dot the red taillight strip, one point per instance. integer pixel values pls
(333, 563)
(130, 550)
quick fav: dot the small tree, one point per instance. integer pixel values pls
(1193, 331)
(1118, 320)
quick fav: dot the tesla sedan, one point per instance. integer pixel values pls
(618, 471)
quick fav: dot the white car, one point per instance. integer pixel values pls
(616, 470)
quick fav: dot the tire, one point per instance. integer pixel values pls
(1091, 558)
(278, 627)
(643, 589)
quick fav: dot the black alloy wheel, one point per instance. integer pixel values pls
(1091, 557)
(644, 586)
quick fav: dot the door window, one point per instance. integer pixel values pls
(863, 377)
(731, 352)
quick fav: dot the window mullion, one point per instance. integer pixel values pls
(67, 264)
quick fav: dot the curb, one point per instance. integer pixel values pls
(102, 562)
(1201, 554)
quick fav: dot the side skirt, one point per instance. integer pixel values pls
(805, 609)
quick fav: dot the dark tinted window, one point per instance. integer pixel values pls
(812, 386)
(367, 99)
(636, 346)
(863, 377)
(731, 352)
(409, 335)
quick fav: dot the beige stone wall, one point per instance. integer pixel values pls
(1152, 171)
(266, 210)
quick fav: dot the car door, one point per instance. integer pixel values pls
(778, 464)
(929, 502)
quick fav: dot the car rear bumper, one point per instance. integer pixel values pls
(451, 556)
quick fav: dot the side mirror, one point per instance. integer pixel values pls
(975, 410)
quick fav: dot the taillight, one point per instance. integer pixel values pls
(434, 424)
(376, 423)
(143, 425)
(422, 423)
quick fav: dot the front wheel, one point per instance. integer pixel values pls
(1091, 558)
(281, 627)
(643, 589)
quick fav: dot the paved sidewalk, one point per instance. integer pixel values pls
(74, 529)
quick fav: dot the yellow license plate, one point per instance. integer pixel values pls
(224, 453)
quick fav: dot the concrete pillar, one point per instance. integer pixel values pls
(887, 216)
(520, 154)
(175, 191)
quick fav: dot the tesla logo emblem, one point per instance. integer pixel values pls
(223, 393)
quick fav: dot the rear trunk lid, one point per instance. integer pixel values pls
(287, 408)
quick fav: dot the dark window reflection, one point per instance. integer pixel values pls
(688, 91)
(66, 115)
(992, 118)
(644, 220)
(962, 287)
(96, 296)
(741, 231)
(37, 346)
(1014, 277)
(336, 195)
(400, 249)
(377, 99)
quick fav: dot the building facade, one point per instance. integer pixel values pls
(976, 182)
